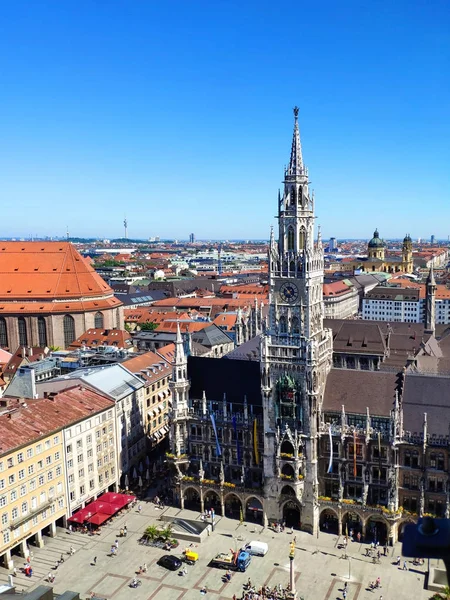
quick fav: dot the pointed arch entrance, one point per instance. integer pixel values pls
(212, 500)
(292, 513)
(377, 530)
(192, 499)
(254, 510)
(233, 506)
(329, 521)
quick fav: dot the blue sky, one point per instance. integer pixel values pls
(178, 114)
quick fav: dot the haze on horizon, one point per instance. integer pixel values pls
(179, 116)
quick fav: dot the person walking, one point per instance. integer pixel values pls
(344, 594)
(95, 560)
(139, 509)
(405, 566)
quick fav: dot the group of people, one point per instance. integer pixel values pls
(264, 592)
(123, 531)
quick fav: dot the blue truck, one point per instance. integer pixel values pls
(235, 561)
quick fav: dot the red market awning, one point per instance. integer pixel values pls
(119, 500)
(82, 515)
(99, 518)
(103, 507)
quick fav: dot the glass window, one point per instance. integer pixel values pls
(98, 320)
(23, 334)
(69, 330)
(42, 332)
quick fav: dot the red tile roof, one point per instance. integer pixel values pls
(149, 366)
(103, 337)
(35, 274)
(39, 418)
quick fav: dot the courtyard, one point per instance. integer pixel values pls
(321, 564)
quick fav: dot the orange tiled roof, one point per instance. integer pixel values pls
(103, 337)
(36, 274)
(147, 361)
(39, 418)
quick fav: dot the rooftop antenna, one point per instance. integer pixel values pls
(125, 224)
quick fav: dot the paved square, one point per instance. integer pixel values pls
(321, 569)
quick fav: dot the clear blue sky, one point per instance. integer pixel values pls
(178, 114)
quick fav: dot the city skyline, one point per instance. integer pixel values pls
(181, 118)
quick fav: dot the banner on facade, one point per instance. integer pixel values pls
(255, 441)
(354, 453)
(218, 448)
(330, 465)
(238, 448)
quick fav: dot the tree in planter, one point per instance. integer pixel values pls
(444, 596)
(152, 532)
(166, 533)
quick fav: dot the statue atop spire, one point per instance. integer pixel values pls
(296, 161)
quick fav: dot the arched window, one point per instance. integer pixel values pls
(292, 267)
(42, 332)
(23, 336)
(290, 239)
(98, 320)
(282, 325)
(69, 330)
(295, 326)
(302, 238)
(3, 333)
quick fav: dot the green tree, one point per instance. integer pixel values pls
(148, 326)
(166, 533)
(152, 532)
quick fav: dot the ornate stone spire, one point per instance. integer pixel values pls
(296, 162)
(179, 346)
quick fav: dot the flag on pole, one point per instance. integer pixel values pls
(238, 447)
(354, 453)
(218, 448)
(330, 464)
(255, 441)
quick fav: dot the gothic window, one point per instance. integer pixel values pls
(69, 330)
(290, 239)
(3, 333)
(23, 335)
(292, 267)
(98, 320)
(295, 326)
(302, 238)
(42, 332)
(282, 325)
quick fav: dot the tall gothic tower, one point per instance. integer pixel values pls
(296, 351)
(430, 307)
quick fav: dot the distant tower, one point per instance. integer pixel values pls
(375, 248)
(191, 238)
(125, 225)
(432, 240)
(430, 310)
(67, 232)
(219, 263)
(407, 257)
(332, 246)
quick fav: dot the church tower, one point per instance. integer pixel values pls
(430, 309)
(407, 257)
(296, 352)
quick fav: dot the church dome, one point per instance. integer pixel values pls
(407, 238)
(376, 241)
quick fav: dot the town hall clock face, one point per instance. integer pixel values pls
(289, 292)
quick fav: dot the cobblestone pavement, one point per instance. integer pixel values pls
(321, 568)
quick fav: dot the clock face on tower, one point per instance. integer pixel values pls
(289, 292)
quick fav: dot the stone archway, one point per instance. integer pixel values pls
(292, 513)
(287, 449)
(192, 499)
(352, 523)
(288, 473)
(287, 490)
(329, 521)
(233, 506)
(377, 530)
(211, 499)
(254, 510)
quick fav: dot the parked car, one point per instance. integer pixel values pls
(170, 562)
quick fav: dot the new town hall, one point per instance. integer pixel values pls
(329, 427)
